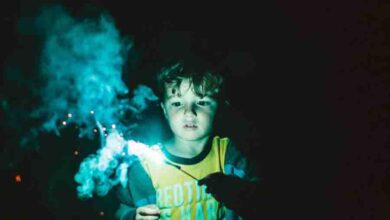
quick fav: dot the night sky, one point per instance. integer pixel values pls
(308, 86)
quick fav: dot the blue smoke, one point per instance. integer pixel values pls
(95, 174)
(81, 67)
(81, 63)
(100, 172)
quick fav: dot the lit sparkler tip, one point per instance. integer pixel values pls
(139, 149)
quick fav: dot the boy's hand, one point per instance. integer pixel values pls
(230, 190)
(222, 187)
(214, 184)
(148, 212)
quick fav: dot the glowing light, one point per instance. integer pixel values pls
(92, 112)
(64, 122)
(95, 130)
(101, 213)
(104, 129)
(76, 152)
(18, 178)
(141, 150)
(115, 143)
(69, 115)
(156, 154)
(113, 126)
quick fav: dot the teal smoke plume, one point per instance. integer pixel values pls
(81, 70)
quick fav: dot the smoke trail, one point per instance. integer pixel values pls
(80, 69)
(99, 172)
(81, 64)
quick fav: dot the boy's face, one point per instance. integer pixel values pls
(189, 116)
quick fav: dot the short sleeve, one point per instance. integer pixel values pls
(237, 164)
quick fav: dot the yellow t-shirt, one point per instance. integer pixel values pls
(178, 194)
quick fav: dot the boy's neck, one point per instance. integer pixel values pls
(186, 149)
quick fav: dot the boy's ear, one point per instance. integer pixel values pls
(164, 110)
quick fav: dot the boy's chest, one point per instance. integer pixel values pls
(178, 194)
(180, 197)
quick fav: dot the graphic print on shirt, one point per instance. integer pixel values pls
(179, 196)
(188, 199)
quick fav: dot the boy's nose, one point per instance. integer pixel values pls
(189, 111)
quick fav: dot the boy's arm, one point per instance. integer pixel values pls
(237, 164)
(139, 192)
(127, 209)
(125, 212)
(239, 186)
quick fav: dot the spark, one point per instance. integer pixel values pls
(18, 178)
(154, 153)
(139, 149)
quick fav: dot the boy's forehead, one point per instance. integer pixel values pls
(175, 91)
(172, 88)
(185, 88)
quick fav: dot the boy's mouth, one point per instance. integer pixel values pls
(190, 126)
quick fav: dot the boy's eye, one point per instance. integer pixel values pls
(176, 104)
(203, 103)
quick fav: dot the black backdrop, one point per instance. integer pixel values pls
(308, 82)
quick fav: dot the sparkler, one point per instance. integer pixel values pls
(179, 168)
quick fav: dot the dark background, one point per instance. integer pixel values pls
(308, 82)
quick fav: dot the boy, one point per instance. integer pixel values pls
(195, 158)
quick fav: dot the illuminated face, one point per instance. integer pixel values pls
(189, 115)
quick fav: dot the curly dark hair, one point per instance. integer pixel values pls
(204, 79)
